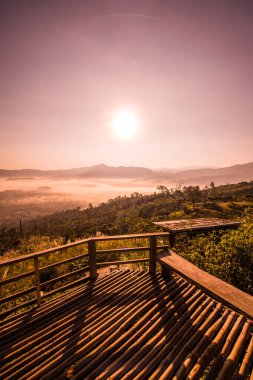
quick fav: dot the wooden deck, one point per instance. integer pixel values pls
(128, 325)
(201, 224)
(221, 290)
(195, 226)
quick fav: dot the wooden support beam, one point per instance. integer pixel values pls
(166, 272)
(121, 262)
(37, 279)
(172, 239)
(92, 259)
(152, 254)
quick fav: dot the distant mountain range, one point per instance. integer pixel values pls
(96, 171)
(220, 176)
(231, 174)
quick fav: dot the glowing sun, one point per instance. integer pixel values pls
(125, 124)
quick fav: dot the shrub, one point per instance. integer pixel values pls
(226, 255)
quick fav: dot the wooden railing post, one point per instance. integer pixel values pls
(172, 239)
(152, 254)
(92, 259)
(37, 279)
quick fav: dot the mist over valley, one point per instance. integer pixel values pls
(28, 193)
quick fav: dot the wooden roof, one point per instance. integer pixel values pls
(184, 225)
(129, 324)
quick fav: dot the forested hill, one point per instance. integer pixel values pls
(137, 212)
(228, 257)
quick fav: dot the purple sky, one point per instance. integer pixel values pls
(184, 67)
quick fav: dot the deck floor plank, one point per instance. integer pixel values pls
(127, 325)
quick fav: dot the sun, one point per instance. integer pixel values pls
(125, 124)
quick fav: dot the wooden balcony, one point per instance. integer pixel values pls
(129, 324)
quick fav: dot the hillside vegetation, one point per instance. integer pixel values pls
(136, 213)
(228, 255)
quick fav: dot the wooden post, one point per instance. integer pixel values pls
(37, 279)
(92, 259)
(172, 239)
(152, 254)
(166, 272)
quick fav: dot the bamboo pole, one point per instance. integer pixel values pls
(222, 355)
(172, 361)
(246, 362)
(211, 351)
(35, 351)
(100, 333)
(37, 279)
(141, 344)
(231, 362)
(148, 364)
(201, 345)
(92, 259)
(152, 254)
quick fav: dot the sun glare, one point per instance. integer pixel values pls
(125, 124)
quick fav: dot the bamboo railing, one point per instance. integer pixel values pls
(91, 255)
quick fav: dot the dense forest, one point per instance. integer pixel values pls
(228, 255)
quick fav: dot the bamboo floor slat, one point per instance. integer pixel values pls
(128, 325)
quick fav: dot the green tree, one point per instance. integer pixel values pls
(163, 190)
(192, 193)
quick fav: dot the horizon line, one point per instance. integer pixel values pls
(187, 167)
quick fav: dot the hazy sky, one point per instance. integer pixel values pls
(185, 68)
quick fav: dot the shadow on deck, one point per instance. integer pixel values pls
(125, 325)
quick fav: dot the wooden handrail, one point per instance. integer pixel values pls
(121, 262)
(92, 261)
(41, 253)
(81, 242)
(126, 237)
(17, 295)
(63, 262)
(16, 278)
(213, 286)
(71, 259)
(64, 276)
